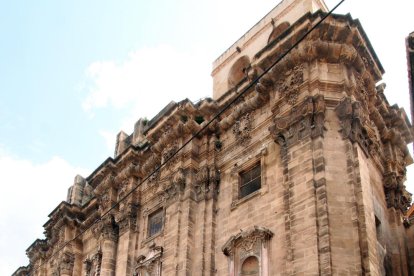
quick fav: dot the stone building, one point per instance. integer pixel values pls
(302, 175)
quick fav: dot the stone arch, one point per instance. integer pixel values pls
(278, 30)
(250, 266)
(237, 71)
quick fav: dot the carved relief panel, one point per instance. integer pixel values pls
(93, 264)
(248, 252)
(242, 129)
(149, 265)
(289, 84)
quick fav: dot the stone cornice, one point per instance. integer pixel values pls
(37, 250)
(339, 29)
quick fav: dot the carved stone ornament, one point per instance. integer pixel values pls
(289, 84)
(395, 193)
(150, 264)
(127, 219)
(356, 126)
(254, 243)
(242, 129)
(305, 120)
(206, 181)
(66, 263)
(150, 165)
(106, 229)
(168, 154)
(247, 240)
(93, 264)
(105, 201)
(176, 186)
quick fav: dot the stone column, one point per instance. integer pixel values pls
(109, 245)
(126, 221)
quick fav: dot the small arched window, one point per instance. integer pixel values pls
(250, 267)
(278, 30)
(237, 71)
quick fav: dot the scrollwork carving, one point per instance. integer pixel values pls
(289, 84)
(206, 181)
(242, 129)
(175, 186)
(356, 126)
(306, 120)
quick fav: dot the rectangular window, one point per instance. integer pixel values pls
(155, 222)
(250, 181)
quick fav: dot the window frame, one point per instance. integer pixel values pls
(249, 172)
(157, 212)
(242, 166)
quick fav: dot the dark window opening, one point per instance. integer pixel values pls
(155, 222)
(250, 181)
(378, 228)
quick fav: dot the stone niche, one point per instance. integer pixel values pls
(248, 252)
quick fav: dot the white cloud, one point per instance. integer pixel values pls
(110, 139)
(146, 81)
(29, 193)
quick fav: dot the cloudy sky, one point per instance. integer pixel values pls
(75, 73)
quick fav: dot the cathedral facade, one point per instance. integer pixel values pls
(302, 174)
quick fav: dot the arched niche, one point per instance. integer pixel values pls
(278, 30)
(248, 252)
(237, 71)
(250, 267)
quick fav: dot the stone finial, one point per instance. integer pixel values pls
(75, 192)
(122, 142)
(138, 135)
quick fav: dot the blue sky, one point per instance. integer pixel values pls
(74, 73)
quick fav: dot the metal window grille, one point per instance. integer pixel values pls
(155, 222)
(250, 181)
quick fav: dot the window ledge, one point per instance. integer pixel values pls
(242, 200)
(153, 237)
